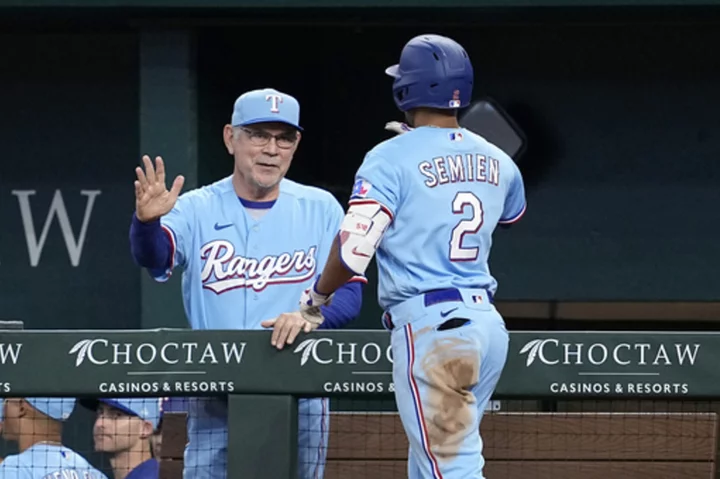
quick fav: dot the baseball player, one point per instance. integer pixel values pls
(249, 244)
(427, 202)
(123, 428)
(35, 424)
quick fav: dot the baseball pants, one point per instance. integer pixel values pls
(449, 348)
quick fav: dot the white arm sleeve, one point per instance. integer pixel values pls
(360, 233)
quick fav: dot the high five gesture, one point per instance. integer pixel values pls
(152, 198)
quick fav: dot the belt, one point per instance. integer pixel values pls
(435, 296)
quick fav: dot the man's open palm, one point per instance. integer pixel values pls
(152, 198)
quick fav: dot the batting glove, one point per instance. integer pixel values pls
(310, 303)
(398, 127)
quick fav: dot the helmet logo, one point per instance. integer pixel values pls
(455, 102)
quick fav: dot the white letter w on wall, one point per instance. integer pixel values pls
(57, 207)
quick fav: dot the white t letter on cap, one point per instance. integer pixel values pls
(275, 100)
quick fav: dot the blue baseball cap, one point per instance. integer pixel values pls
(55, 408)
(266, 106)
(147, 409)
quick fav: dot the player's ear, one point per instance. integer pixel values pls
(228, 133)
(147, 430)
(23, 408)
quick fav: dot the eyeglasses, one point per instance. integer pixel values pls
(284, 140)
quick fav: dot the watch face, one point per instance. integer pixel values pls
(489, 120)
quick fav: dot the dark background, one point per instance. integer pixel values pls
(621, 165)
(621, 168)
(620, 108)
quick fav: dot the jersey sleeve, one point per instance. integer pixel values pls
(177, 225)
(377, 180)
(515, 202)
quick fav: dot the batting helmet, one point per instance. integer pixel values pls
(434, 72)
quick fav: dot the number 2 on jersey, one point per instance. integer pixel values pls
(469, 226)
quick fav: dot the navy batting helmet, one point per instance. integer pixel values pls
(434, 72)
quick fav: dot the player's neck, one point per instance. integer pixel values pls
(253, 193)
(124, 462)
(422, 117)
(27, 441)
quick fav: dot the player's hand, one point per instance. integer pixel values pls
(398, 127)
(311, 298)
(286, 327)
(152, 198)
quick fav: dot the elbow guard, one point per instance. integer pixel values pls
(360, 233)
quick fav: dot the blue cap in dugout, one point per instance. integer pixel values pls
(55, 408)
(266, 106)
(147, 409)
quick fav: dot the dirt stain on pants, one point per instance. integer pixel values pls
(449, 372)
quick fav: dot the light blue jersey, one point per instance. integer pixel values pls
(242, 266)
(446, 189)
(229, 258)
(46, 461)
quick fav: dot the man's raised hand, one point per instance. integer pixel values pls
(152, 198)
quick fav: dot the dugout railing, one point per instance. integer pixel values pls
(572, 404)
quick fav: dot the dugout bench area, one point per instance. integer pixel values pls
(518, 445)
(572, 404)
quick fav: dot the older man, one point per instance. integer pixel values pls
(249, 244)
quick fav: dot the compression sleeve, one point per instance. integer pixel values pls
(150, 245)
(345, 306)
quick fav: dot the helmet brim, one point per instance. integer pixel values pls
(393, 71)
